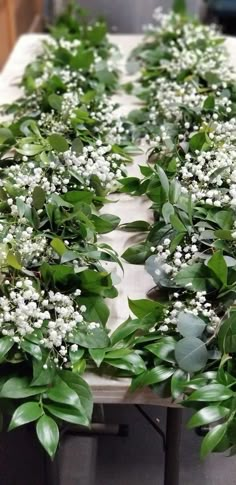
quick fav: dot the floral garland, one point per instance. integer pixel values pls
(188, 119)
(61, 155)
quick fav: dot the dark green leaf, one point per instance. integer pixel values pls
(26, 413)
(207, 415)
(39, 197)
(211, 392)
(212, 439)
(48, 434)
(6, 343)
(154, 376)
(19, 387)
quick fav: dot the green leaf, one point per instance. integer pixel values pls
(77, 146)
(6, 343)
(39, 198)
(96, 309)
(195, 276)
(209, 103)
(58, 246)
(125, 330)
(136, 226)
(97, 355)
(163, 179)
(13, 260)
(178, 383)
(154, 376)
(58, 143)
(105, 223)
(62, 393)
(31, 349)
(5, 134)
(189, 325)
(19, 387)
(197, 141)
(218, 265)
(141, 308)
(43, 376)
(177, 224)
(55, 101)
(164, 349)
(80, 386)
(191, 354)
(66, 413)
(94, 339)
(48, 434)
(211, 392)
(167, 211)
(29, 149)
(207, 415)
(26, 413)
(212, 439)
(132, 362)
(179, 6)
(137, 254)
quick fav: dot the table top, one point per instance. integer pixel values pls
(135, 282)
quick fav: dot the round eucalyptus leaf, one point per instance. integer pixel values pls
(154, 266)
(191, 354)
(190, 325)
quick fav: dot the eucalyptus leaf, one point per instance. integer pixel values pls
(191, 354)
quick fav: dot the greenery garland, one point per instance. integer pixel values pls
(188, 119)
(61, 155)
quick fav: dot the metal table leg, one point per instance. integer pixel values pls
(173, 438)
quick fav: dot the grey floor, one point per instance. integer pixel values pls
(133, 460)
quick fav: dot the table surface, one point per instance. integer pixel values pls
(135, 282)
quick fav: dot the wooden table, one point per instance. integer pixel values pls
(135, 282)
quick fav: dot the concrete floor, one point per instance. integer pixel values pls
(134, 460)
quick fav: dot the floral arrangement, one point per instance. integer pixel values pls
(62, 152)
(187, 118)
(61, 155)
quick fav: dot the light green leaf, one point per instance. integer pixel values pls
(13, 260)
(189, 325)
(58, 246)
(58, 143)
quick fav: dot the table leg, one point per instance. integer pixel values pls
(173, 437)
(51, 470)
